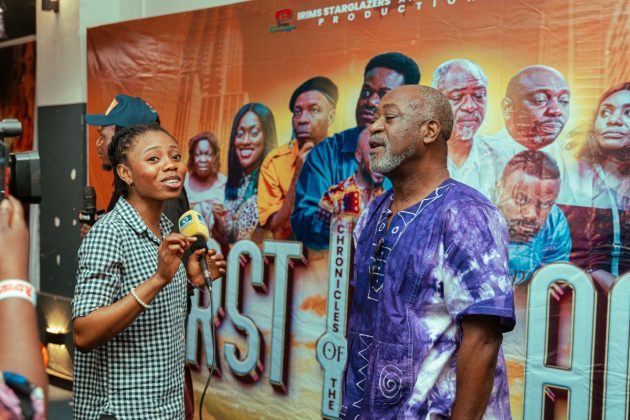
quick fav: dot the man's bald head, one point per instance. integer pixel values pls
(430, 104)
(532, 76)
(536, 106)
(413, 124)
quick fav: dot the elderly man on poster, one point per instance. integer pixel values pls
(313, 107)
(332, 161)
(433, 293)
(470, 158)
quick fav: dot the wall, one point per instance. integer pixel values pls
(60, 81)
(61, 69)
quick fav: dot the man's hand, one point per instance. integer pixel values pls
(307, 147)
(14, 239)
(476, 365)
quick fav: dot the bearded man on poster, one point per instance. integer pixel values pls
(432, 290)
(465, 84)
(333, 160)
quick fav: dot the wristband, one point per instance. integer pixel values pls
(14, 288)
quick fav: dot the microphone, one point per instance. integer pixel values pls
(88, 214)
(191, 224)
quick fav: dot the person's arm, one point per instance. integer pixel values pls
(102, 324)
(603, 278)
(314, 180)
(479, 295)
(476, 365)
(20, 348)
(558, 245)
(280, 221)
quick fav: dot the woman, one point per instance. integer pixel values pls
(253, 136)
(204, 184)
(603, 247)
(130, 298)
(607, 151)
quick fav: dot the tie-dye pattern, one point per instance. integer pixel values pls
(440, 260)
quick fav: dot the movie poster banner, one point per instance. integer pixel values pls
(540, 92)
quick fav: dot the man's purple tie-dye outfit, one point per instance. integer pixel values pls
(440, 260)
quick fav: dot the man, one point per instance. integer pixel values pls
(313, 106)
(352, 195)
(465, 85)
(332, 161)
(127, 111)
(526, 195)
(535, 110)
(432, 290)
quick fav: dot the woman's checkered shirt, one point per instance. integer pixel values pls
(139, 373)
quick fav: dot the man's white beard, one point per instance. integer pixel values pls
(468, 133)
(388, 162)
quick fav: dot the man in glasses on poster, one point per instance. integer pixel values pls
(432, 290)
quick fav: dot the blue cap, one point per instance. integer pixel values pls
(125, 111)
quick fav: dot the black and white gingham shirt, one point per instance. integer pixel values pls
(139, 374)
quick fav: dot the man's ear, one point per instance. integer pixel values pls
(124, 173)
(331, 116)
(433, 128)
(507, 108)
(358, 156)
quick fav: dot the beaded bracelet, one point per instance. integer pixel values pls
(140, 302)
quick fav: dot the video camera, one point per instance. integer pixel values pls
(20, 173)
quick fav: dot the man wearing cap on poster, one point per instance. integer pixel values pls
(333, 160)
(128, 111)
(313, 107)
